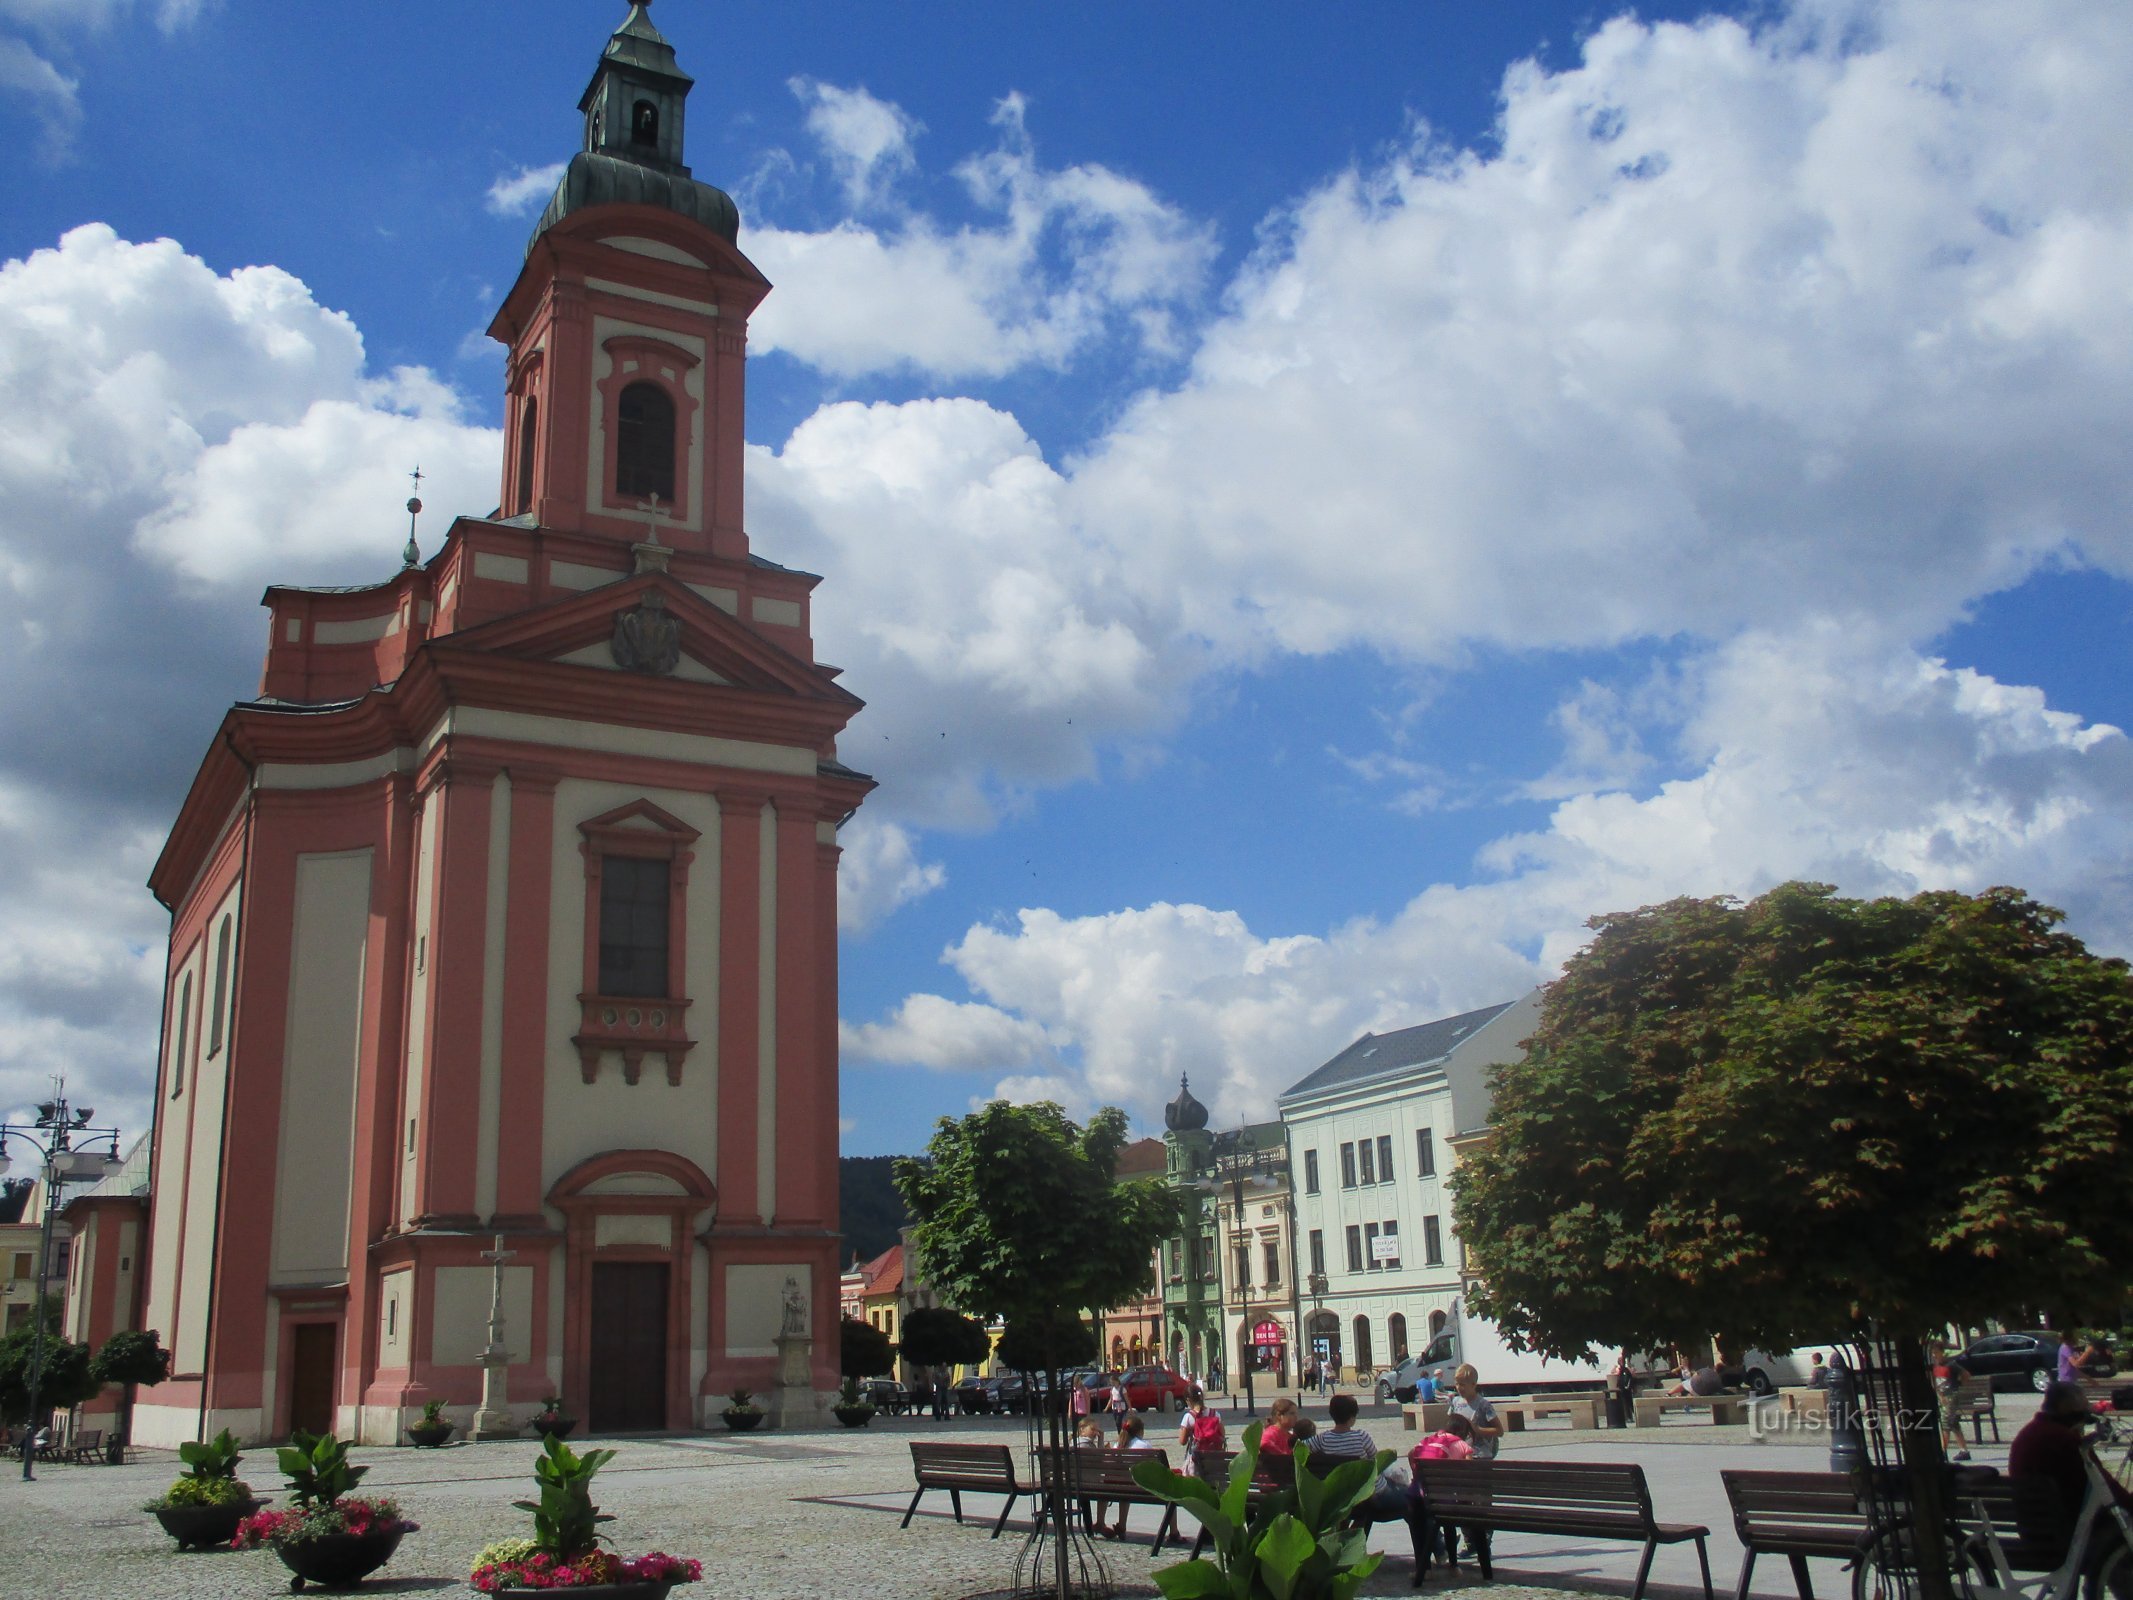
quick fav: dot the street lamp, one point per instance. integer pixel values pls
(62, 1162)
(1317, 1286)
(1232, 1161)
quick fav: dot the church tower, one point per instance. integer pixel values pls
(508, 907)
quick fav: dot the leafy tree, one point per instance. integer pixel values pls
(130, 1357)
(1805, 1115)
(862, 1350)
(64, 1382)
(1047, 1342)
(1016, 1214)
(935, 1336)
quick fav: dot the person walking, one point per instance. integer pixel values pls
(1204, 1441)
(1948, 1375)
(1119, 1405)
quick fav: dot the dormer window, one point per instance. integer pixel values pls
(644, 124)
(644, 443)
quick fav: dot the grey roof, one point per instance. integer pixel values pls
(593, 179)
(1378, 1055)
(639, 45)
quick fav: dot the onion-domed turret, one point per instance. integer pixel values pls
(1184, 1114)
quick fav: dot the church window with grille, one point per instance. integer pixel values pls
(644, 443)
(633, 927)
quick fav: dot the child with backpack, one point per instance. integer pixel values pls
(1453, 1442)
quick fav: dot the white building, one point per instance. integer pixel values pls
(1371, 1136)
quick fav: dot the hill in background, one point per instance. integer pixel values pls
(870, 1211)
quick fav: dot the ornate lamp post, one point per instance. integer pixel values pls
(62, 1162)
(1237, 1165)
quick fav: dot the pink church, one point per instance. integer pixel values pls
(510, 903)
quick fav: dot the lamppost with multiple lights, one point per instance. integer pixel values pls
(61, 1160)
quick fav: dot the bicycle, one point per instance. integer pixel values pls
(1979, 1565)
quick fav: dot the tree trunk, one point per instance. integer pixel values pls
(1917, 1429)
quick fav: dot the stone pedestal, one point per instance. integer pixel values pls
(794, 1403)
(493, 1420)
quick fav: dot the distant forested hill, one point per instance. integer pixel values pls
(871, 1211)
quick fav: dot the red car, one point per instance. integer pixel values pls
(1147, 1389)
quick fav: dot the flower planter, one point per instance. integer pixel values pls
(204, 1527)
(854, 1416)
(559, 1426)
(339, 1560)
(742, 1421)
(429, 1435)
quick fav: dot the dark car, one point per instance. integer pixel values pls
(2027, 1360)
(888, 1396)
(972, 1398)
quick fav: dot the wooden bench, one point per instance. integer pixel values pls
(1583, 1410)
(1091, 1475)
(981, 1468)
(1972, 1402)
(1724, 1408)
(1795, 1515)
(1576, 1499)
(86, 1448)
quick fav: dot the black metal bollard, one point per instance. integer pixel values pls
(1847, 1423)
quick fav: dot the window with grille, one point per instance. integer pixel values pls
(633, 926)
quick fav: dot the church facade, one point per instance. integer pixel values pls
(508, 906)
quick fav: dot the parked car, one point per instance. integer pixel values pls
(888, 1396)
(2026, 1360)
(1761, 1372)
(972, 1398)
(1400, 1383)
(1155, 1389)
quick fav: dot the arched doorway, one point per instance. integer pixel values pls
(630, 1224)
(1326, 1341)
(1396, 1335)
(1363, 1361)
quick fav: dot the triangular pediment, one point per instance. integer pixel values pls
(651, 625)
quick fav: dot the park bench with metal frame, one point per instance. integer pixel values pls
(1104, 1475)
(1972, 1401)
(980, 1468)
(1575, 1499)
(1796, 1515)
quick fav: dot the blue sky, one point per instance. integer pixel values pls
(1319, 504)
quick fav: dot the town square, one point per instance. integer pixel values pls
(972, 801)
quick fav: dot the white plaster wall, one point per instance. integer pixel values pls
(754, 1305)
(496, 909)
(395, 1298)
(203, 1167)
(584, 1119)
(418, 1002)
(459, 1315)
(174, 1147)
(329, 942)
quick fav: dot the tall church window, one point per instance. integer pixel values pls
(644, 123)
(644, 443)
(633, 926)
(526, 426)
(222, 987)
(185, 1017)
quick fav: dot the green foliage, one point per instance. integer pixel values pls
(863, 1350)
(432, 1411)
(317, 1468)
(1016, 1212)
(211, 1459)
(194, 1491)
(566, 1523)
(742, 1400)
(552, 1407)
(1777, 1121)
(1046, 1341)
(501, 1551)
(65, 1380)
(934, 1336)
(1297, 1545)
(131, 1357)
(870, 1212)
(850, 1396)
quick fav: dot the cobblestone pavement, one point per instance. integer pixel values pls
(770, 1516)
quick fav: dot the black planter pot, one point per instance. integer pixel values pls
(854, 1416)
(656, 1590)
(338, 1560)
(742, 1421)
(429, 1435)
(204, 1527)
(559, 1426)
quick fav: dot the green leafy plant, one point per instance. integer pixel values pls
(553, 1407)
(317, 1468)
(565, 1520)
(202, 1492)
(743, 1401)
(1298, 1545)
(850, 1397)
(863, 1350)
(212, 1458)
(432, 1411)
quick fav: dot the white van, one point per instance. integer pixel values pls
(1761, 1372)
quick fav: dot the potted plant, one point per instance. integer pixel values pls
(742, 1413)
(330, 1536)
(204, 1506)
(564, 1552)
(432, 1430)
(1296, 1543)
(551, 1420)
(853, 1409)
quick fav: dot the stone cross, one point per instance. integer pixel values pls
(493, 1420)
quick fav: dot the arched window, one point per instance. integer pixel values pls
(644, 443)
(222, 987)
(1396, 1332)
(185, 1017)
(1363, 1360)
(526, 418)
(1436, 1323)
(644, 123)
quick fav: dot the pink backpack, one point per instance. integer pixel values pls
(1441, 1447)
(1206, 1431)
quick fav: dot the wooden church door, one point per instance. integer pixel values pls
(629, 1347)
(311, 1377)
